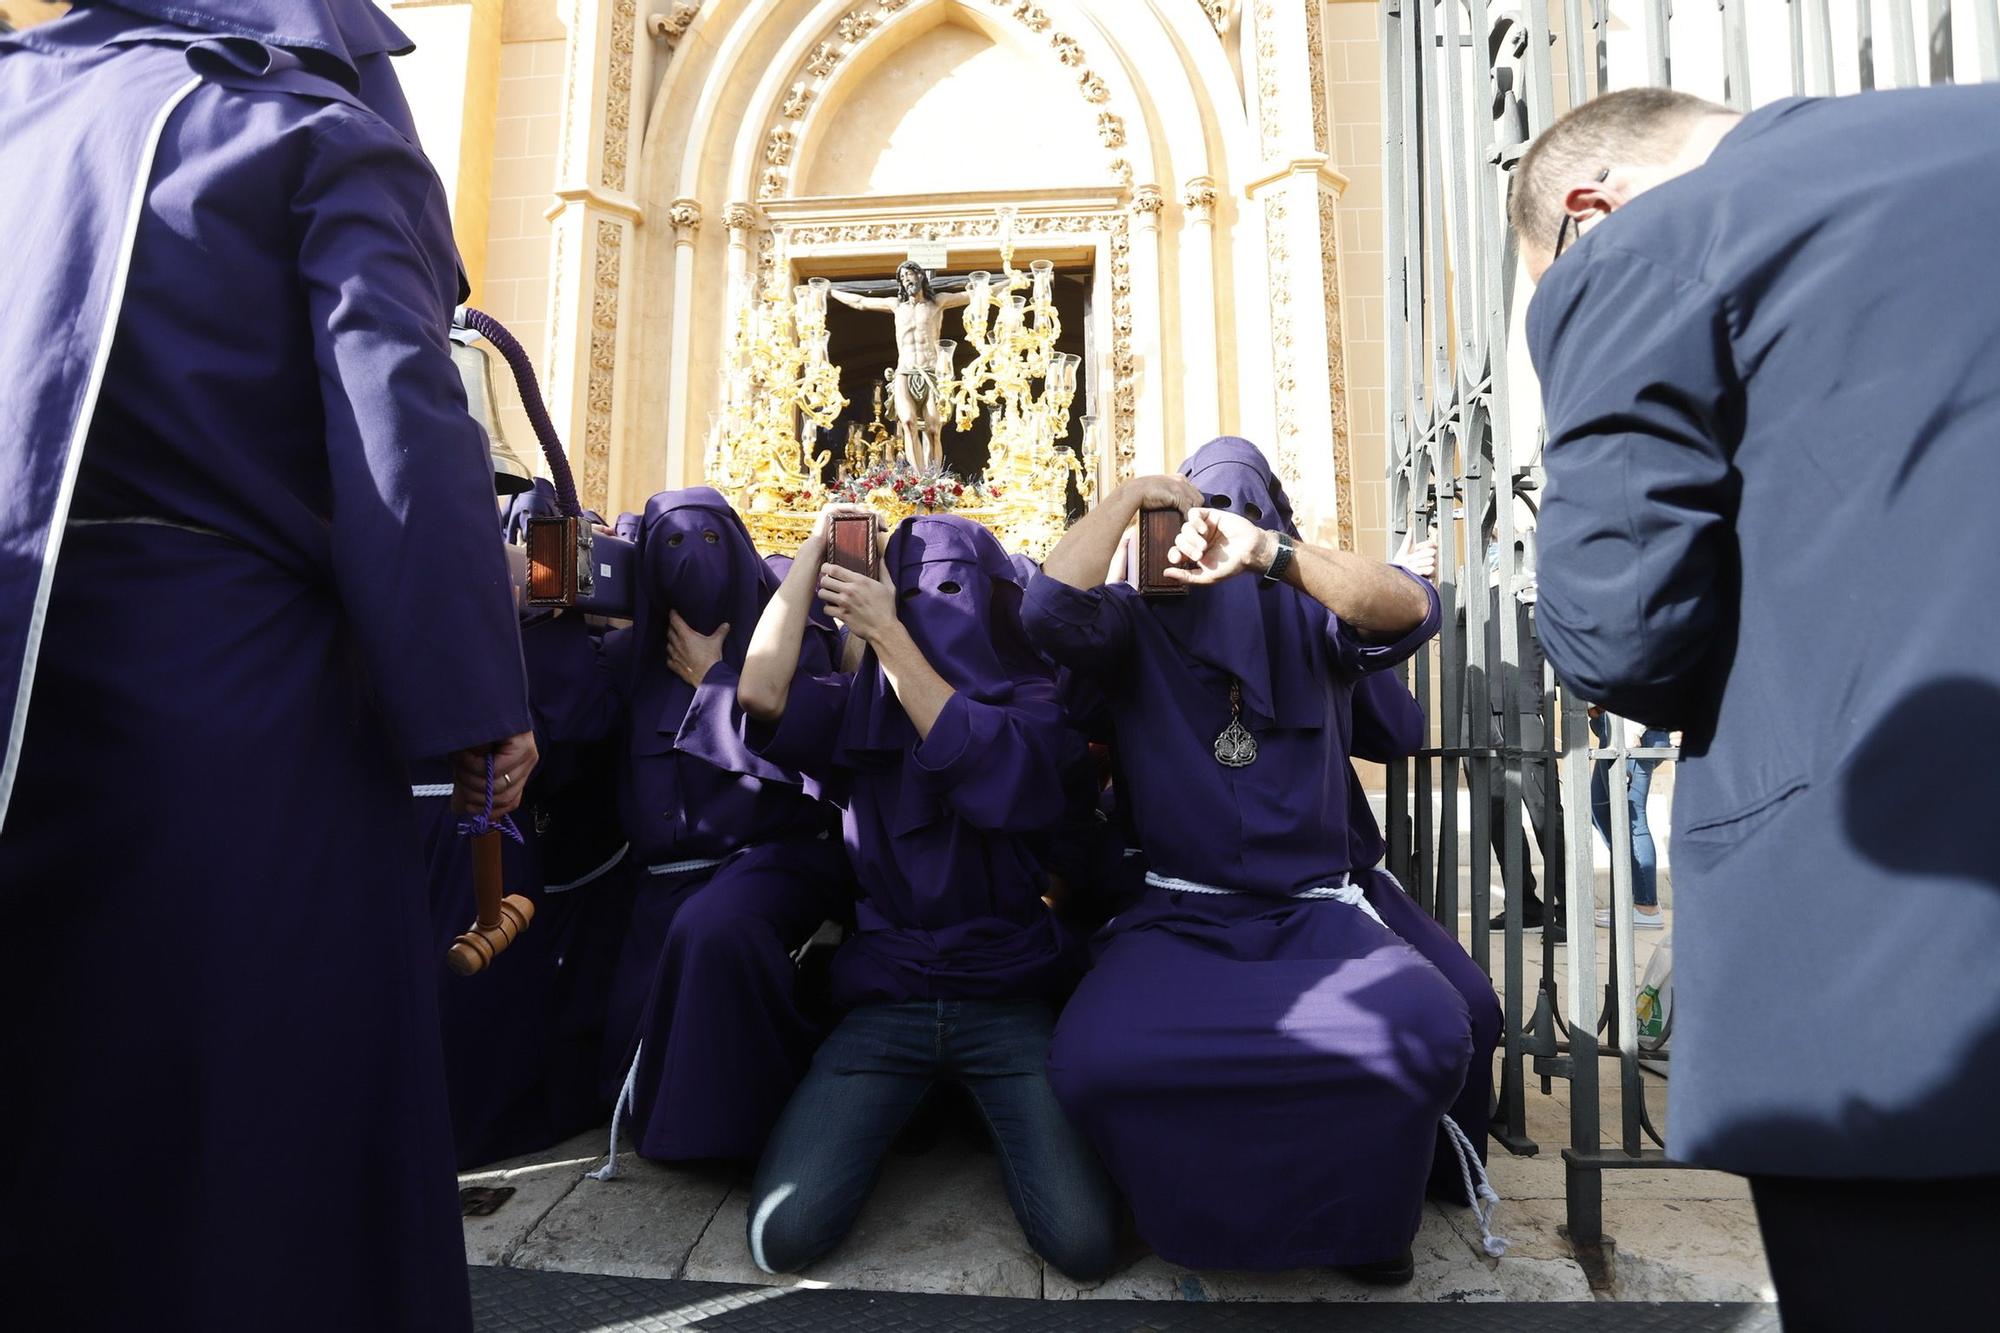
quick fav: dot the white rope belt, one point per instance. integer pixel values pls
(432, 789)
(609, 1171)
(685, 867)
(1345, 891)
(593, 875)
(1484, 1198)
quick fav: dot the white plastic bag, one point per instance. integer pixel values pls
(1656, 999)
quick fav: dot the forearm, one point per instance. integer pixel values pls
(1084, 553)
(1375, 600)
(773, 655)
(922, 692)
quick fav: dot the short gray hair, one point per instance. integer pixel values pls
(1632, 125)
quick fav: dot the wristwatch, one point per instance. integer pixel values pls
(1280, 562)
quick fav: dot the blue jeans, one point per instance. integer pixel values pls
(864, 1084)
(1639, 780)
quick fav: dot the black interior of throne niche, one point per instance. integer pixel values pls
(863, 345)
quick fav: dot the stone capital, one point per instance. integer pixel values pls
(685, 214)
(1199, 196)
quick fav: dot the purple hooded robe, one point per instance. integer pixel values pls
(248, 568)
(733, 866)
(1264, 1075)
(951, 904)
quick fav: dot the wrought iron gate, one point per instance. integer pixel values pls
(1466, 85)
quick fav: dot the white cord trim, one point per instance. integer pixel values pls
(38, 611)
(593, 876)
(1345, 891)
(149, 521)
(1485, 1199)
(609, 1171)
(432, 789)
(685, 867)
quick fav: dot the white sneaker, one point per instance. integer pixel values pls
(1639, 919)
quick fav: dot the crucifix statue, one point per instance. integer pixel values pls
(919, 323)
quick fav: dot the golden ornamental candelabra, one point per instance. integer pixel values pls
(778, 393)
(1026, 389)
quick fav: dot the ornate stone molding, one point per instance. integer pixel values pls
(618, 92)
(1147, 201)
(1284, 361)
(739, 216)
(1199, 197)
(1114, 225)
(841, 38)
(1270, 115)
(601, 383)
(1336, 367)
(1316, 77)
(1220, 14)
(685, 214)
(673, 26)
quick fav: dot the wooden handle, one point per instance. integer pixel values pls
(501, 916)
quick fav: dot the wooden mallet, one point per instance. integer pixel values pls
(501, 916)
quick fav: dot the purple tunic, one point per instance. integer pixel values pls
(522, 1039)
(1264, 1075)
(279, 579)
(733, 863)
(951, 903)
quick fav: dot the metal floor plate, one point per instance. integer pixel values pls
(508, 1300)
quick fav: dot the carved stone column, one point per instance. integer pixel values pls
(1201, 402)
(592, 242)
(741, 219)
(1298, 195)
(1147, 283)
(685, 214)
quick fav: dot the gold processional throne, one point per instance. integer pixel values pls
(781, 391)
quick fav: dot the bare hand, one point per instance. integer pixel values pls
(1164, 491)
(689, 654)
(1214, 545)
(513, 760)
(1419, 557)
(866, 606)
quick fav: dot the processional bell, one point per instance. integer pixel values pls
(511, 475)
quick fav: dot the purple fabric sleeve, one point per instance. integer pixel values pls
(717, 731)
(1388, 721)
(1088, 630)
(804, 738)
(999, 765)
(418, 565)
(1356, 656)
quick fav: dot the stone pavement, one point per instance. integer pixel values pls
(939, 1222)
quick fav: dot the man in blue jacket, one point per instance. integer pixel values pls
(1770, 358)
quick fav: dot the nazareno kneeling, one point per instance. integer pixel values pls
(943, 746)
(1277, 1051)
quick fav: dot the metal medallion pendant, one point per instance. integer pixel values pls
(1235, 747)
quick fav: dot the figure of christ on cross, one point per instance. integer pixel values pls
(919, 323)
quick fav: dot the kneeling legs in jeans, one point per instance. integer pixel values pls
(867, 1080)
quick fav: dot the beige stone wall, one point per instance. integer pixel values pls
(516, 287)
(1354, 97)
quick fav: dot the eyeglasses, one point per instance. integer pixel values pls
(1563, 232)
